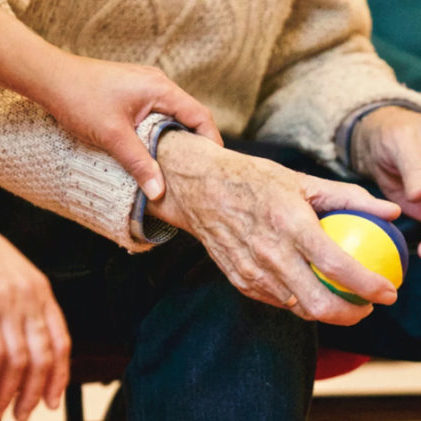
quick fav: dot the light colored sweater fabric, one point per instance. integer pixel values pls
(291, 70)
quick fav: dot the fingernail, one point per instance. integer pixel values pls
(152, 189)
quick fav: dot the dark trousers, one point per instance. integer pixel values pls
(201, 350)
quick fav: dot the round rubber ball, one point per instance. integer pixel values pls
(377, 244)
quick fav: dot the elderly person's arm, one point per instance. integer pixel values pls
(323, 70)
(328, 93)
(256, 209)
(258, 221)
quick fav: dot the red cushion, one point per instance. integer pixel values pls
(331, 363)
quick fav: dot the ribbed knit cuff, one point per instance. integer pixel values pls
(343, 136)
(146, 227)
(105, 198)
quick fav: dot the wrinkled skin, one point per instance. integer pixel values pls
(258, 221)
(386, 147)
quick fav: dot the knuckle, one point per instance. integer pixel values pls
(243, 286)
(306, 316)
(27, 289)
(43, 362)
(330, 267)
(5, 292)
(320, 310)
(302, 218)
(357, 190)
(140, 168)
(18, 360)
(261, 283)
(246, 290)
(41, 279)
(307, 242)
(111, 134)
(260, 251)
(246, 270)
(250, 293)
(159, 79)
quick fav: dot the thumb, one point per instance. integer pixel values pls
(130, 152)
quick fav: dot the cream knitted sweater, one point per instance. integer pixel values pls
(289, 69)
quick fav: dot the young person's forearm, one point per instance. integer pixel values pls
(27, 62)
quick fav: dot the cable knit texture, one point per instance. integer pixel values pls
(286, 69)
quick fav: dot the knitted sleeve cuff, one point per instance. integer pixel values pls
(146, 227)
(343, 136)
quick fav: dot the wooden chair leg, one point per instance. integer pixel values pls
(74, 410)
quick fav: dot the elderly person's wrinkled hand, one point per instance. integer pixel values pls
(34, 341)
(258, 221)
(386, 146)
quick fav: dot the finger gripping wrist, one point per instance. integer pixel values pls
(146, 227)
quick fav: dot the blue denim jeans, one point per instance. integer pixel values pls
(201, 350)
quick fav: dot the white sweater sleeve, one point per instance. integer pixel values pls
(43, 164)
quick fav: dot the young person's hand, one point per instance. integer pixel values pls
(34, 341)
(100, 102)
(258, 221)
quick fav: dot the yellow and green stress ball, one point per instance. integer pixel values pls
(375, 243)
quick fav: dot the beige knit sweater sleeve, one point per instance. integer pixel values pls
(45, 165)
(84, 184)
(322, 69)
